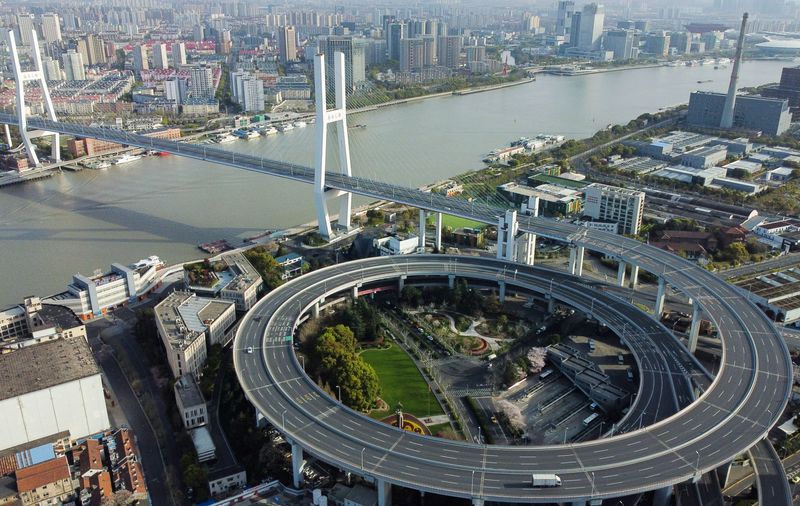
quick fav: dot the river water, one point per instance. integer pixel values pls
(165, 206)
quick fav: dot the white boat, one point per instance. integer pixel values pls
(285, 127)
(126, 159)
(252, 134)
(148, 262)
(102, 165)
(269, 131)
(300, 124)
(222, 139)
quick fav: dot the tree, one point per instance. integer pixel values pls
(411, 295)
(512, 413)
(338, 364)
(266, 265)
(536, 357)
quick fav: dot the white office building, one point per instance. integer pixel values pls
(616, 205)
(190, 401)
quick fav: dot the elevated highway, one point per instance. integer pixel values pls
(718, 426)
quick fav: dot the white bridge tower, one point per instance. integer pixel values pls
(21, 78)
(325, 117)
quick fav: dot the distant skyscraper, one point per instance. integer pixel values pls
(287, 44)
(176, 89)
(620, 42)
(395, 33)
(24, 29)
(92, 48)
(657, 44)
(253, 95)
(178, 53)
(476, 53)
(591, 23)
(51, 27)
(51, 69)
(198, 33)
(564, 18)
(354, 61)
(411, 54)
(202, 82)
(140, 58)
(160, 57)
(73, 66)
(449, 49)
(375, 52)
(428, 50)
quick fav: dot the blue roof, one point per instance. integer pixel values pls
(286, 258)
(35, 455)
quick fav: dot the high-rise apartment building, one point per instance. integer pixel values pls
(140, 58)
(51, 69)
(25, 29)
(51, 27)
(178, 54)
(73, 66)
(93, 50)
(449, 49)
(354, 61)
(412, 54)
(617, 205)
(253, 95)
(428, 50)
(202, 82)
(160, 61)
(394, 35)
(287, 44)
(657, 44)
(176, 89)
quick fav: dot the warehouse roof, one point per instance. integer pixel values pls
(45, 365)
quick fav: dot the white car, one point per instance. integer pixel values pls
(249, 349)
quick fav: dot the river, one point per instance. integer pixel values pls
(165, 206)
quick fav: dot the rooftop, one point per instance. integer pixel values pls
(45, 365)
(184, 316)
(189, 391)
(539, 179)
(39, 475)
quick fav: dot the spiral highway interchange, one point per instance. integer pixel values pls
(744, 400)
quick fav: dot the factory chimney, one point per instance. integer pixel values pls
(730, 100)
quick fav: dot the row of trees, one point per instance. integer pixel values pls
(266, 265)
(338, 365)
(362, 318)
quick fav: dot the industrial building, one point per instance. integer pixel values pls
(768, 115)
(185, 323)
(702, 158)
(58, 377)
(778, 292)
(613, 204)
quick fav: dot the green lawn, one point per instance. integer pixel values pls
(401, 382)
(455, 222)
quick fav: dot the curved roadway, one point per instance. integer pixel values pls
(742, 403)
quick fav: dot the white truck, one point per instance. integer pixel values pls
(545, 480)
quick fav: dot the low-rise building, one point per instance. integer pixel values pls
(778, 234)
(781, 174)
(33, 322)
(552, 199)
(44, 484)
(95, 147)
(186, 323)
(224, 481)
(292, 264)
(93, 296)
(60, 378)
(231, 278)
(702, 158)
(691, 175)
(739, 168)
(391, 246)
(190, 401)
(738, 185)
(203, 444)
(777, 292)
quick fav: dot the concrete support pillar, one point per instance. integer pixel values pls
(438, 243)
(507, 228)
(502, 295)
(621, 273)
(662, 496)
(573, 260)
(634, 276)
(551, 304)
(316, 310)
(384, 493)
(422, 229)
(477, 502)
(660, 297)
(355, 291)
(297, 465)
(526, 249)
(8, 136)
(694, 330)
(451, 281)
(724, 474)
(401, 283)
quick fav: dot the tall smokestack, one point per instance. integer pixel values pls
(730, 100)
